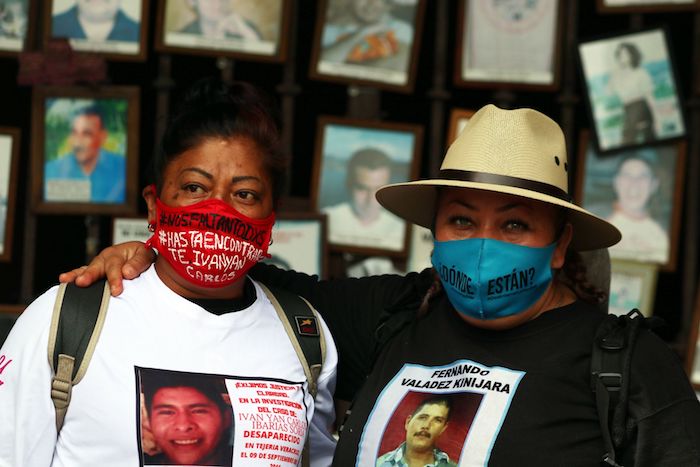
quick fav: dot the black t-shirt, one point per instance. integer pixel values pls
(519, 397)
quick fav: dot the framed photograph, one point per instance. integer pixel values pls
(115, 29)
(632, 285)
(17, 20)
(640, 191)
(631, 90)
(252, 29)
(299, 243)
(645, 6)
(372, 43)
(85, 150)
(693, 357)
(354, 158)
(9, 163)
(128, 229)
(458, 120)
(509, 44)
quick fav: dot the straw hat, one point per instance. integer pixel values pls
(520, 152)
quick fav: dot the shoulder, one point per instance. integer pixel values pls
(125, 21)
(70, 14)
(34, 321)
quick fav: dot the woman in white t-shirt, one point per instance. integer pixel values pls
(193, 365)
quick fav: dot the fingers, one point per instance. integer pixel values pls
(70, 276)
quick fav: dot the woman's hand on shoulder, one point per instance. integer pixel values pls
(123, 261)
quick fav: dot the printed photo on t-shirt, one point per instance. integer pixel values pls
(186, 419)
(447, 415)
(198, 419)
(428, 426)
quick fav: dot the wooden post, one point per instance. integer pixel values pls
(438, 94)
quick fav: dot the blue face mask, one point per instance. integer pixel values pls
(489, 279)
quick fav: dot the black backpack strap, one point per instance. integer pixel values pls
(76, 323)
(611, 360)
(301, 322)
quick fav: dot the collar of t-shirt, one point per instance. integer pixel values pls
(219, 306)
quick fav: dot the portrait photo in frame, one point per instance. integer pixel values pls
(631, 90)
(9, 165)
(17, 22)
(645, 6)
(353, 159)
(85, 150)
(372, 43)
(693, 353)
(509, 44)
(640, 191)
(299, 243)
(251, 29)
(130, 228)
(116, 30)
(632, 285)
(458, 120)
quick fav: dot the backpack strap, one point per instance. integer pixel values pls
(301, 322)
(76, 323)
(611, 360)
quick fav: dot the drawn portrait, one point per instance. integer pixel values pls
(509, 42)
(640, 192)
(631, 88)
(353, 160)
(176, 408)
(251, 28)
(371, 41)
(112, 27)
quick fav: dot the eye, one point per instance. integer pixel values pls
(461, 221)
(247, 196)
(164, 412)
(516, 225)
(192, 188)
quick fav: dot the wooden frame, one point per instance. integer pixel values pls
(130, 228)
(603, 187)
(9, 166)
(458, 119)
(693, 356)
(60, 21)
(380, 56)
(60, 187)
(632, 285)
(532, 38)
(392, 146)
(637, 6)
(13, 39)
(266, 22)
(300, 243)
(632, 95)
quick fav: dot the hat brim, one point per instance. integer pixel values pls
(416, 202)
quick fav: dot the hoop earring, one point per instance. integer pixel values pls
(151, 227)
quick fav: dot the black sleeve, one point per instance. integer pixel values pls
(353, 310)
(664, 427)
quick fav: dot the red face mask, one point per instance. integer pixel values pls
(209, 243)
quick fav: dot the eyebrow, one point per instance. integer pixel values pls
(504, 208)
(204, 173)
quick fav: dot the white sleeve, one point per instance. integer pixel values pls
(322, 442)
(27, 417)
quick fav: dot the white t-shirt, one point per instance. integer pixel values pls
(344, 228)
(151, 327)
(642, 239)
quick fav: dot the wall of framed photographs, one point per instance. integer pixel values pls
(404, 76)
